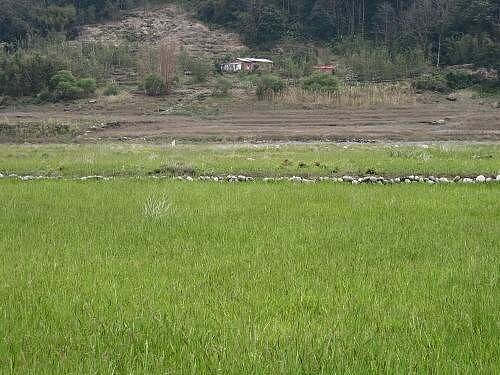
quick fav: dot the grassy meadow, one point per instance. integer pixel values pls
(145, 276)
(258, 160)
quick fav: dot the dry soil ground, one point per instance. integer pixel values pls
(140, 118)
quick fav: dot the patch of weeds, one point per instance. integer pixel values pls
(177, 169)
(302, 165)
(35, 131)
(371, 171)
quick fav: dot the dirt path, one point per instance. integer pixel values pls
(419, 123)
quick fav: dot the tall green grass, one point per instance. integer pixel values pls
(136, 276)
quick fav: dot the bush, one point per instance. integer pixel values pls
(321, 82)
(221, 87)
(460, 80)
(111, 90)
(268, 85)
(200, 70)
(488, 88)
(87, 85)
(64, 86)
(25, 74)
(370, 61)
(432, 82)
(153, 85)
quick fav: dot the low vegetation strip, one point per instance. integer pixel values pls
(255, 160)
(160, 276)
(354, 180)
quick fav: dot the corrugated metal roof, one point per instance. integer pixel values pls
(254, 60)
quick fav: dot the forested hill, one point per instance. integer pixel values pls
(448, 31)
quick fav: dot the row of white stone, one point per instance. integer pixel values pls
(353, 179)
(345, 179)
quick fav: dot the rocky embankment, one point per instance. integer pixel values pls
(166, 22)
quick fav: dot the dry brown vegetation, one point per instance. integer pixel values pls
(353, 96)
(168, 54)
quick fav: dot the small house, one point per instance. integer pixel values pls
(247, 65)
(329, 69)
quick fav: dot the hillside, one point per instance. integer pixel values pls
(168, 21)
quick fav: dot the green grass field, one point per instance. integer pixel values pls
(264, 160)
(144, 276)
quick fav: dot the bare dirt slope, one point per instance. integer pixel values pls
(170, 21)
(142, 120)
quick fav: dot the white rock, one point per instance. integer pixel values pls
(498, 178)
(489, 179)
(480, 178)
(467, 180)
(189, 178)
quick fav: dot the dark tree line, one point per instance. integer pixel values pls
(449, 31)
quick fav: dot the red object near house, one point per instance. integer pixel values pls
(330, 69)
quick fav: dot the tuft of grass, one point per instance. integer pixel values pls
(248, 279)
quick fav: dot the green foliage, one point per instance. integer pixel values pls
(153, 85)
(375, 62)
(436, 82)
(460, 80)
(26, 73)
(296, 62)
(222, 87)
(64, 86)
(488, 88)
(198, 68)
(268, 85)
(466, 49)
(321, 83)
(111, 90)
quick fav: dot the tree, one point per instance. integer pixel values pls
(320, 24)
(385, 21)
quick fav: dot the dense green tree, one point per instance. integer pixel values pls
(444, 29)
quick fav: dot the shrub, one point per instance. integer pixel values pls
(153, 85)
(64, 86)
(321, 82)
(24, 74)
(198, 68)
(460, 80)
(489, 88)
(268, 85)
(221, 87)
(432, 82)
(87, 85)
(111, 90)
